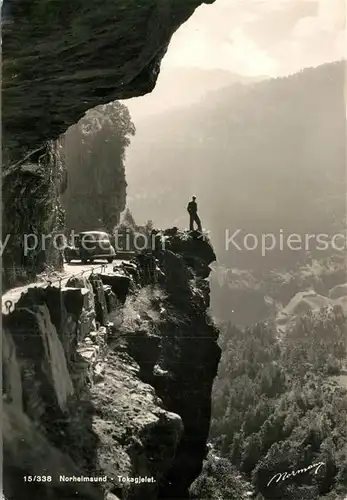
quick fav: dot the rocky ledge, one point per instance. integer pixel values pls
(110, 377)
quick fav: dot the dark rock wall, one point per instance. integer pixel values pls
(31, 208)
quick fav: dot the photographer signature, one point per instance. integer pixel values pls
(282, 476)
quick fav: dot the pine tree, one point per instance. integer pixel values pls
(128, 219)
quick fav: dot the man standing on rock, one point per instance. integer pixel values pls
(193, 215)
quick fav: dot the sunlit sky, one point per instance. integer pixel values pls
(257, 37)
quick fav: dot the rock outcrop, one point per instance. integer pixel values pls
(110, 377)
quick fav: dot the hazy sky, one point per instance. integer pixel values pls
(271, 37)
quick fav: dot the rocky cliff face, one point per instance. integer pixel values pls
(110, 376)
(59, 60)
(94, 152)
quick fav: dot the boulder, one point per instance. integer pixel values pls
(37, 340)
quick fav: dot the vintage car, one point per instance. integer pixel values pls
(89, 246)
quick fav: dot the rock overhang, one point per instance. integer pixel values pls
(61, 59)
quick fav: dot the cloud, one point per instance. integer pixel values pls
(261, 36)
